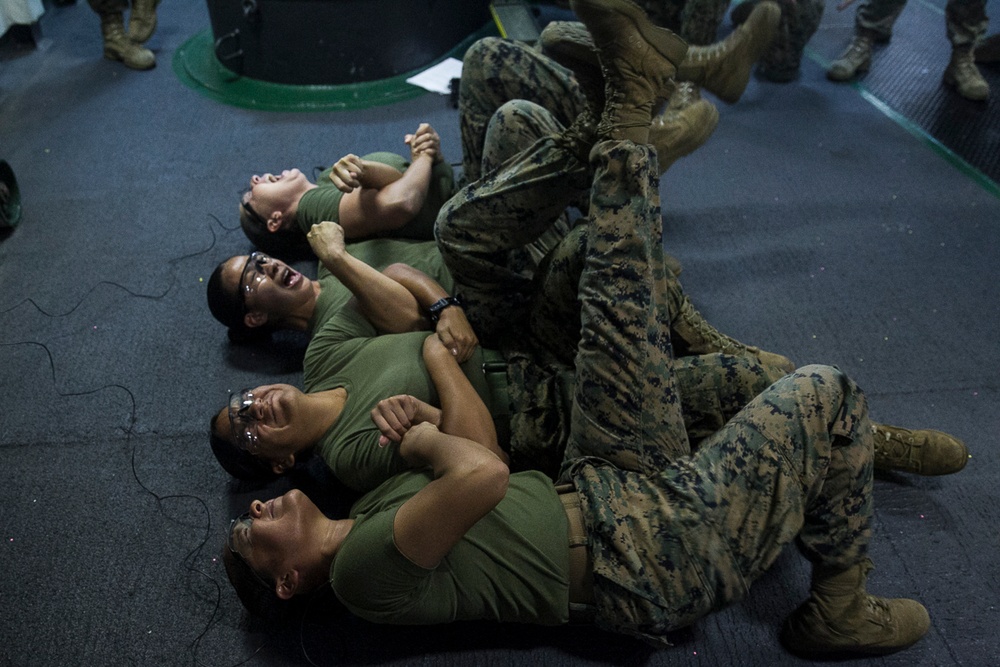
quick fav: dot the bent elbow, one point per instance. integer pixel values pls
(496, 480)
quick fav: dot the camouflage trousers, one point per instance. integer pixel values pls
(965, 20)
(495, 71)
(676, 536)
(533, 316)
(713, 388)
(697, 21)
(507, 210)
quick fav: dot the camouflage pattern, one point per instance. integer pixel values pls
(506, 210)
(674, 537)
(799, 21)
(697, 21)
(713, 389)
(532, 312)
(965, 20)
(495, 71)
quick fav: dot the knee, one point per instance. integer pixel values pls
(513, 119)
(840, 395)
(518, 109)
(825, 378)
(480, 52)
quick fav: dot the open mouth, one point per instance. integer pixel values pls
(290, 278)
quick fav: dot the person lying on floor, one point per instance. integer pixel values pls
(255, 295)
(644, 522)
(535, 322)
(383, 194)
(378, 194)
(348, 357)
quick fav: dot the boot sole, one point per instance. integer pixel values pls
(860, 69)
(837, 654)
(950, 81)
(115, 56)
(663, 41)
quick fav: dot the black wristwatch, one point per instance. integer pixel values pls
(435, 310)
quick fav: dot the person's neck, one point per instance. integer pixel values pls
(336, 533)
(332, 533)
(299, 320)
(322, 409)
(293, 210)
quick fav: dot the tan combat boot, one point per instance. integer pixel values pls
(638, 60)
(964, 76)
(857, 57)
(692, 334)
(118, 46)
(724, 67)
(923, 452)
(686, 124)
(840, 617)
(142, 20)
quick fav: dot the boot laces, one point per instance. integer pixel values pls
(699, 54)
(899, 444)
(878, 611)
(859, 48)
(716, 339)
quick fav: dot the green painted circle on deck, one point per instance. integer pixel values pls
(196, 66)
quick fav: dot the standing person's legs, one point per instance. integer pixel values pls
(875, 18)
(966, 22)
(142, 20)
(966, 25)
(873, 22)
(117, 44)
(495, 71)
(108, 6)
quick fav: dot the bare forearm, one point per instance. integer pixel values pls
(402, 199)
(424, 289)
(469, 481)
(463, 412)
(377, 175)
(446, 453)
(387, 304)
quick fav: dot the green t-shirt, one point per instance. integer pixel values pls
(512, 565)
(323, 202)
(347, 352)
(378, 253)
